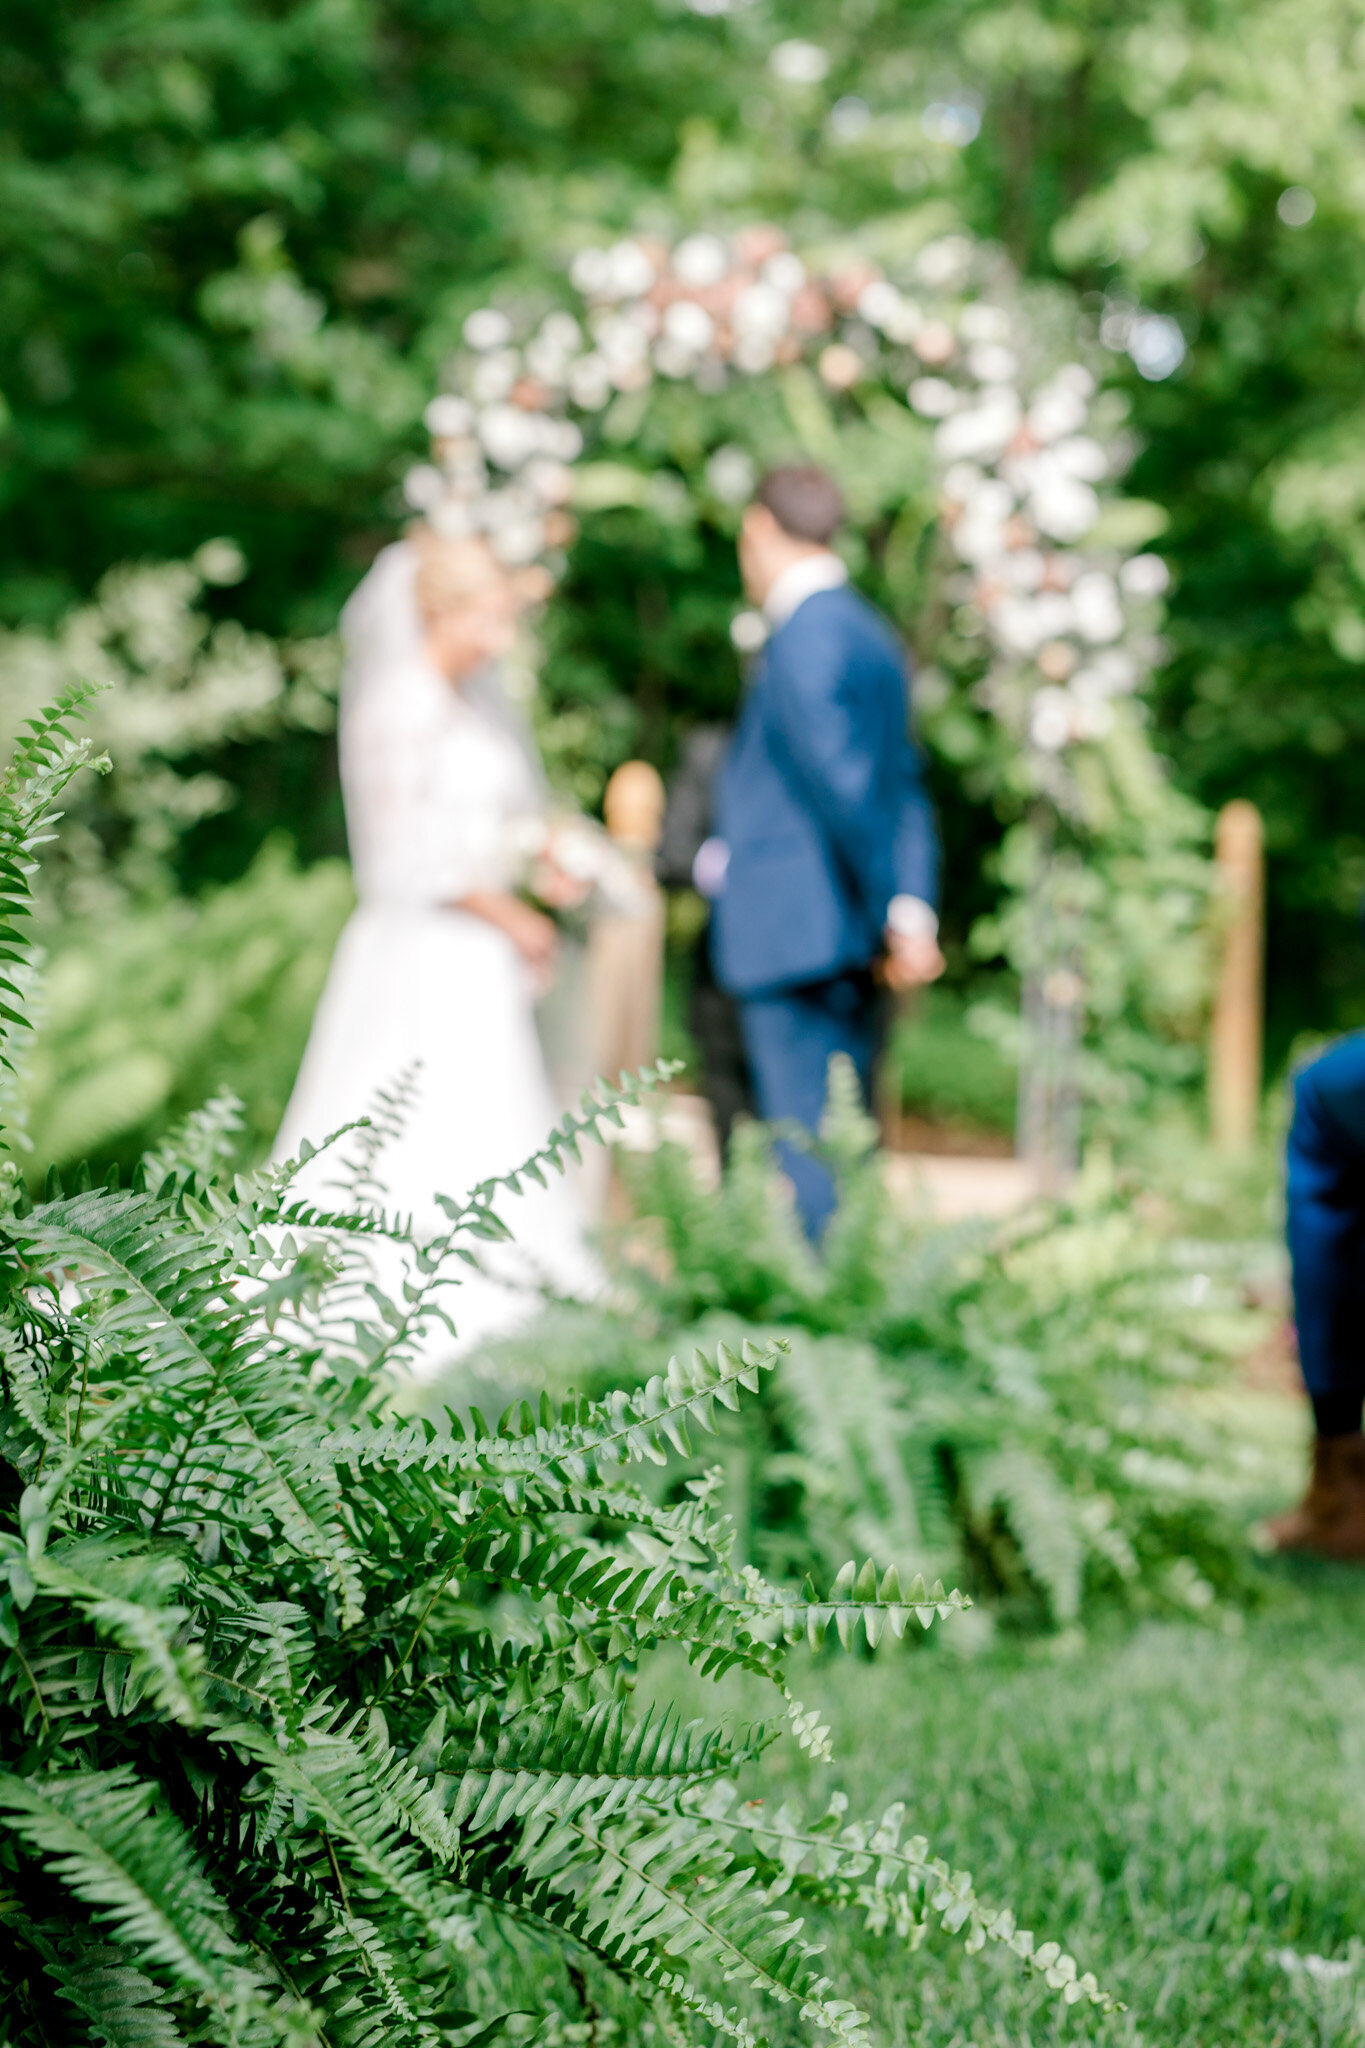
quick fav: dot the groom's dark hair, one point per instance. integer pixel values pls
(805, 501)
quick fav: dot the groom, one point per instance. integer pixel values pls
(825, 865)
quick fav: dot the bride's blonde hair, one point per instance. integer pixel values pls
(450, 572)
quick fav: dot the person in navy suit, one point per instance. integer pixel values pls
(1326, 1216)
(824, 867)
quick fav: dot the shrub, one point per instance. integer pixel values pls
(315, 1721)
(1017, 1406)
(147, 1010)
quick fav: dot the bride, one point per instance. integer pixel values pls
(437, 971)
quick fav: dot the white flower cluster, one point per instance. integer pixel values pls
(1068, 623)
(1018, 474)
(177, 687)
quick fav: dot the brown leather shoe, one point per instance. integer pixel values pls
(1330, 1519)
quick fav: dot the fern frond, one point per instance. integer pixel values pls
(123, 1592)
(862, 1863)
(98, 1832)
(124, 2007)
(1040, 1514)
(201, 1146)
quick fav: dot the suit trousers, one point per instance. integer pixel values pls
(1326, 1204)
(790, 1036)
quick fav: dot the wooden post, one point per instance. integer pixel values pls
(1236, 1038)
(626, 948)
(623, 986)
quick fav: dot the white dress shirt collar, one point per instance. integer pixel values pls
(823, 571)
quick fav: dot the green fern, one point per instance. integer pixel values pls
(1008, 1405)
(293, 1689)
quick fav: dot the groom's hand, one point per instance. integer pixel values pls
(912, 959)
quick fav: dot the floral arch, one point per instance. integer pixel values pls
(980, 458)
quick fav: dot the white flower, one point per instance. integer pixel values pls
(561, 330)
(562, 439)
(932, 397)
(674, 358)
(1080, 455)
(621, 341)
(690, 325)
(799, 63)
(1095, 601)
(984, 430)
(590, 383)
(1062, 506)
(1092, 719)
(905, 322)
(1022, 624)
(1056, 411)
(785, 271)
(1145, 576)
(730, 475)
(629, 271)
(934, 341)
(748, 631)
(451, 519)
(753, 354)
(983, 322)
(508, 507)
(487, 328)
(1050, 719)
(508, 434)
(701, 260)
(960, 479)
(467, 477)
(494, 376)
(944, 264)
(550, 482)
(547, 360)
(448, 416)
(761, 313)
(590, 271)
(990, 363)
(1021, 569)
(879, 303)
(424, 486)
(979, 535)
(1117, 670)
(220, 561)
(518, 542)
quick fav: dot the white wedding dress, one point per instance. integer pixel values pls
(441, 784)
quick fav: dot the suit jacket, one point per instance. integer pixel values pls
(822, 802)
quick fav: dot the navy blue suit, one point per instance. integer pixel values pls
(1326, 1200)
(822, 803)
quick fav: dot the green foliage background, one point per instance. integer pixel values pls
(236, 240)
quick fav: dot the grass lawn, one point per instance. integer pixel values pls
(1178, 1807)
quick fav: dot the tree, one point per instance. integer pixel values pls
(237, 239)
